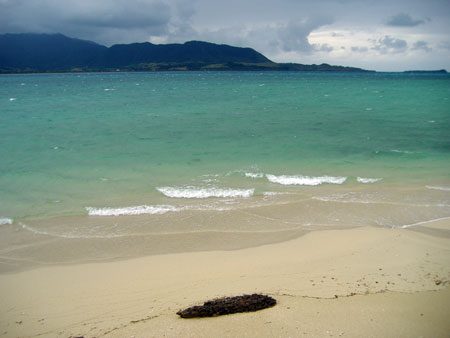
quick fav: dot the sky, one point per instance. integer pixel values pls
(382, 35)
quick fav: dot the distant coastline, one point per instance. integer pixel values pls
(440, 71)
(196, 67)
(56, 53)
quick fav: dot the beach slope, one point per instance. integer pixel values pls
(360, 282)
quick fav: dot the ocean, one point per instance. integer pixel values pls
(103, 156)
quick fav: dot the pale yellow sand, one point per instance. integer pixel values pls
(388, 283)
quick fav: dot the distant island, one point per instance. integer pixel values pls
(43, 53)
(440, 71)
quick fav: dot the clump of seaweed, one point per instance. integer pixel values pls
(229, 305)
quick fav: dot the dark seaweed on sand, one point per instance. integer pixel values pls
(229, 305)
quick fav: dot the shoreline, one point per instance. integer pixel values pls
(388, 283)
(195, 226)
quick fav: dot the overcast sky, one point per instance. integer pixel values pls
(381, 35)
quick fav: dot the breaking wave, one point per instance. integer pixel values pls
(305, 180)
(254, 175)
(195, 192)
(5, 221)
(368, 180)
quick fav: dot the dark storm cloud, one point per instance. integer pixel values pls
(85, 19)
(125, 14)
(404, 20)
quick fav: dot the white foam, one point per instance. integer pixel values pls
(12, 99)
(305, 180)
(254, 175)
(195, 192)
(129, 211)
(26, 227)
(368, 180)
(402, 151)
(108, 89)
(5, 221)
(438, 188)
(423, 222)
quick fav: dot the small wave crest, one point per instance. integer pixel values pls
(5, 221)
(402, 151)
(195, 192)
(438, 188)
(305, 180)
(254, 175)
(273, 193)
(130, 211)
(368, 180)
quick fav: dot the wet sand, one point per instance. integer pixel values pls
(367, 281)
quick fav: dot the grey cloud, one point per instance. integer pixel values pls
(444, 45)
(270, 38)
(294, 35)
(403, 20)
(357, 49)
(421, 45)
(185, 9)
(324, 48)
(124, 14)
(389, 44)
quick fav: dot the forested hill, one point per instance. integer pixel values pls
(21, 53)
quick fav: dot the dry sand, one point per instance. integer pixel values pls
(361, 282)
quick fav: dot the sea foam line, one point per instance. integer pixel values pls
(438, 188)
(305, 180)
(341, 198)
(130, 211)
(71, 236)
(368, 180)
(423, 222)
(195, 192)
(5, 221)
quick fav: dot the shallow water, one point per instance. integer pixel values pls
(115, 155)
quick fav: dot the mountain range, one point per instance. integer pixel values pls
(26, 53)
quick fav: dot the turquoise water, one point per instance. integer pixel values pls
(161, 140)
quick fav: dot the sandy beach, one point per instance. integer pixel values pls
(360, 282)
